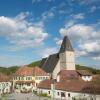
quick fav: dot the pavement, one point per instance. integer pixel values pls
(28, 96)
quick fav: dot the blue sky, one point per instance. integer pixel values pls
(32, 29)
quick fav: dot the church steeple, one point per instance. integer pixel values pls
(66, 45)
(66, 55)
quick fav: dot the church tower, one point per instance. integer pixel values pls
(66, 54)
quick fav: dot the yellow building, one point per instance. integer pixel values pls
(26, 78)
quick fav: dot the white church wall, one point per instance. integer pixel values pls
(70, 60)
(67, 60)
(56, 70)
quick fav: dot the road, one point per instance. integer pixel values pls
(29, 96)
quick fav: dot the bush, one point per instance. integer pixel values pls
(35, 92)
(44, 94)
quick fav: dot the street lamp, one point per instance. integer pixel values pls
(53, 89)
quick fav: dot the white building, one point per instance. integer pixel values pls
(5, 84)
(69, 90)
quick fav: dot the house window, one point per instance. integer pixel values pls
(62, 94)
(29, 78)
(36, 78)
(49, 92)
(19, 78)
(68, 94)
(28, 84)
(22, 78)
(57, 93)
(6, 84)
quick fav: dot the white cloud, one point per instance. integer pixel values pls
(58, 41)
(21, 32)
(80, 31)
(47, 14)
(70, 23)
(37, 1)
(89, 2)
(79, 16)
(80, 53)
(90, 47)
(87, 38)
(96, 58)
(48, 51)
(93, 8)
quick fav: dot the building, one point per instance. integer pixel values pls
(66, 82)
(74, 74)
(5, 84)
(26, 78)
(70, 90)
(85, 75)
(63, 60)
(39, 75)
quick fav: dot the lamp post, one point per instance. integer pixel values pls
(39, 93)
(53, 90)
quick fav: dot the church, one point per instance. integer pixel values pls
(64, 60)
(66, 82)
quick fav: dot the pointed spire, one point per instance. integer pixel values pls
(66, 45)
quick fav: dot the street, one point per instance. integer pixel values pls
(29, 96)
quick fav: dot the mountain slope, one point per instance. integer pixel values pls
(11, 70)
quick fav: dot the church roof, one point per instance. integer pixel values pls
(66, 45)
(48, 64)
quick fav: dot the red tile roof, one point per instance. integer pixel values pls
(27, 71)
(46, 84)
(24, 71)
(72, 74)
(84, 72)
(72, 86)
(68, 74)
(39, 72)
(4, 78)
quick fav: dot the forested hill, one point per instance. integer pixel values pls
(11, 70)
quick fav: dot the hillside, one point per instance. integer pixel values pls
(35, 63)
(11, 70)
(78, 67)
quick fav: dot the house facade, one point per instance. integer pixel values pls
(5, 84)
(26, 79)
(69, 89)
